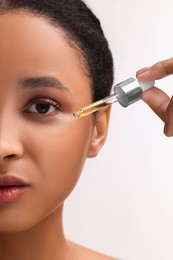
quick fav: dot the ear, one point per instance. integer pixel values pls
(100, 130)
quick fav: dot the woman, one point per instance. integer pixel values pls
(54, 59)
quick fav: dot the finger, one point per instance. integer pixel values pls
(139, 72)
(159, 70)
(158, 101)
(168, 129)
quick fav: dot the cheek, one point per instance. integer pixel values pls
(59, 158)
(53, 160)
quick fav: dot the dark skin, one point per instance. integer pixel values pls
(47, 150)
(157, 99)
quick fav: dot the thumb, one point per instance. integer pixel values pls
(157, 100)
(168, 129)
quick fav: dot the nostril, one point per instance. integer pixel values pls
(10, 156)
(10, 151)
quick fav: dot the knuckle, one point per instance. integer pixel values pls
(165, 66)
(161, 106)
(160, 66)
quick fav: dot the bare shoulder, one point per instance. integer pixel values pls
(83, 253)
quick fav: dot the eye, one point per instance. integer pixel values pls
(43, 106)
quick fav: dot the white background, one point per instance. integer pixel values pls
(123, 203)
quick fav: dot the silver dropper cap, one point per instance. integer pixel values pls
(131, 90)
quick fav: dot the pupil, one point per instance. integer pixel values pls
(42, 108)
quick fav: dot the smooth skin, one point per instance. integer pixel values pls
(47, 150)
(157, 99)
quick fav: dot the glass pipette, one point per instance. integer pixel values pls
(126, 93)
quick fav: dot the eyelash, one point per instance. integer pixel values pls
(44, 101)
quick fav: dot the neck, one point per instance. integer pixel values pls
(44, 241)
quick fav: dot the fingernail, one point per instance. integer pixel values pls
(143, 70)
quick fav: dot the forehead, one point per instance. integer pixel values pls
(30, 45)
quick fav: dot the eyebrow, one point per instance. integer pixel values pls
(41, 82)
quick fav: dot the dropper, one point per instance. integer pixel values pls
(125, 93)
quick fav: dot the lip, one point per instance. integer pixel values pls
(9, 180)
(11, 187)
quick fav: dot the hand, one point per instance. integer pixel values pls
(158, 100)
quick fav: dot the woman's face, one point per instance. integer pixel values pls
(41, 85)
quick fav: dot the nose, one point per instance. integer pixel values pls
(10, 145)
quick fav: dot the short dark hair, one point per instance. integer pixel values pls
(83, 30)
